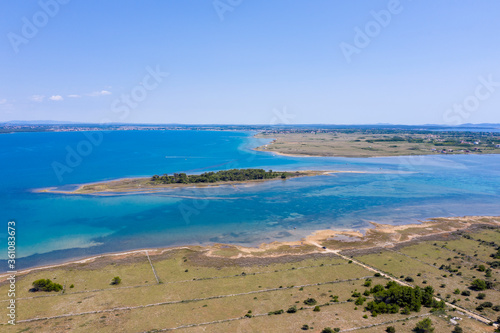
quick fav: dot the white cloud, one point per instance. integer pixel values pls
(3, 101)
(99, 93)
(56, 98)
(74, 96)
(38, 98)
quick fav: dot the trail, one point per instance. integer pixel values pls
(471, 314)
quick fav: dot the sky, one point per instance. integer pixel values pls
(251, 62)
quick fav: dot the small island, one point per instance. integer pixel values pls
(157, 183)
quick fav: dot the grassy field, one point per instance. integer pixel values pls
(358, 144)
(219, 293)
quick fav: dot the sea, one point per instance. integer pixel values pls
(51, 228)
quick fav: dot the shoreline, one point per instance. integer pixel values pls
(135, 185)
(379, 235)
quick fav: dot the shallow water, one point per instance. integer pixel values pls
(56, 227)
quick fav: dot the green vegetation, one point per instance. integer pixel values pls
(393, 297)
(424, 326)
(46, 285)
(116, 280)
(310, 301)
(219, 176)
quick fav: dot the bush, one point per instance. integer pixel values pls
(390, 329)
(116, 280)
(292, 309)
(72, 286)
(465, 293)
(46, 285)
(424, 326)
(305, 327)
(360, 301)
(317, 308)
(481, 296)
(310, 301)
(327, 330)
(409, 279)
(479, 285)
(457, 329)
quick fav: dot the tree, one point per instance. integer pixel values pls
(310, 301)
(457, 329)
(317, 308)
(479, 285)
(390, 329)
(327, 330)
(424, 326)
(292, 309)
(46, 285)
(116, 280)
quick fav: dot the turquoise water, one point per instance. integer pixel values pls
(54, 227)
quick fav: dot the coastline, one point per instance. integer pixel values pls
(337, 240)
(135, 185)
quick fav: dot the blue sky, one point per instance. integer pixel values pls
(251, 62)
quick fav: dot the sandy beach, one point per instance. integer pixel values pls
(379, 235)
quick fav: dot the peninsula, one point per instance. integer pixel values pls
(156, 182)
(376, 142)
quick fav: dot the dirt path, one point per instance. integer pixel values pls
(473, 315)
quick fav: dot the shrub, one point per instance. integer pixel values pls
(377, 275)
(409, 279)
(116, 280)
(310, 301)
(465, 293)
(305, 327)
(360, 301)
(481, 268)
(327, 330)
(72, 286)
(424, 326)
(481, 296)
(479, 285)
(292, 309)
(456, 291)
(457, 329)
(46, 285)
(390, 329)
(317, 308)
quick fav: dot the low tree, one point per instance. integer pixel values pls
(327, 330)
(390, 329)
(457, 329)
(310, 301)
(46, 285)
(424, 326)
(116, 280)
(479, 285)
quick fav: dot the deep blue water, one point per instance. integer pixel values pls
(54, 227)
